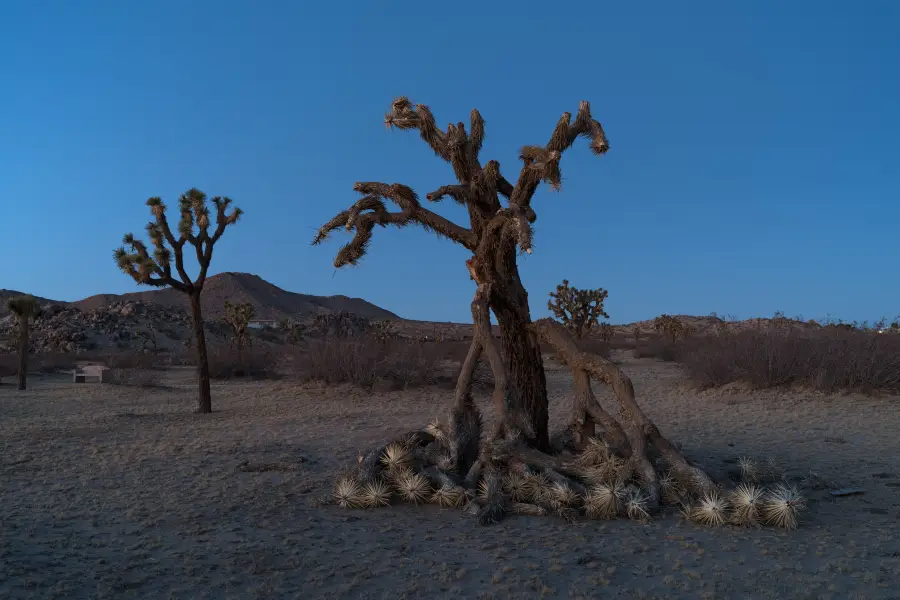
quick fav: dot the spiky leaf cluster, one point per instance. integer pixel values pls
(579, 310)
(24, 306)
(155, 267)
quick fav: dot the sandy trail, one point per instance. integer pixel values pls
(113, 492)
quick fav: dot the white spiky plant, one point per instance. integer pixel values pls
(518, 486)
(711, 510)
(396, 457)
(750, 471)
(746, 501)
(636, 503)
(376, 493)
(562, 495)
(413, 488)
(348, 493)
(448, 495)
(781, 506)
(601, 502)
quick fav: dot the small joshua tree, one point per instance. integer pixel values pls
(606, 332)
(238, 316)
(25, 308)
(579, 310)
(156, 269)
(668, 326)
(636, 332)
(384, 330)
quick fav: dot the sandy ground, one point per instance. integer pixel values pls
(110, 492)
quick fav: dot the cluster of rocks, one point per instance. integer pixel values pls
(130, 324)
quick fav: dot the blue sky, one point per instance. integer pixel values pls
(753, 163)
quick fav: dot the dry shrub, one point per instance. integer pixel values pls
(257, 362)
(594, 345)
(368, 363)
(46, 363)
(9, 365)
(827, 360)
(658, 348)
(134, 377)
(133, 360)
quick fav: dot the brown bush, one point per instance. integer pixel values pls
(134, 377)
(368, 363)
(827, 359)
(658, 348)
(257, 362)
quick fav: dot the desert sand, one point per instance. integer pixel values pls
(114, 492)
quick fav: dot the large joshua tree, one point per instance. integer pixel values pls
(25, 308)
(500, 225)
(157, 269)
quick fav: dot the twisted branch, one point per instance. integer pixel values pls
(369, 211)
(542, 163)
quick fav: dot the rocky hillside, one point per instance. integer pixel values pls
(270, 301)
(66, 328)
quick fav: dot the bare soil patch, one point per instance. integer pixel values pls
(111, 491)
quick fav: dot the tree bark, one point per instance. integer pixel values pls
(521, 352)
(23, 352)
(205, 405)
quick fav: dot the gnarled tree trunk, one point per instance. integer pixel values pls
(522, 356)
(205, 405)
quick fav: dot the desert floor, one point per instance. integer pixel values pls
(115, 492)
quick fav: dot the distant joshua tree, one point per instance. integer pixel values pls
(25, 308)
(606, 332)
(238, 316)
(669, 326)
(579, 310)
(156, 269)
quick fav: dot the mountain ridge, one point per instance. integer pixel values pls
(268, 300)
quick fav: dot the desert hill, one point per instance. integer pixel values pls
(270, 301)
